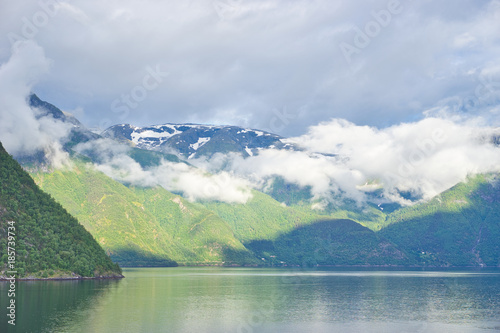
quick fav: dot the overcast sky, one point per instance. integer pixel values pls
(280, 65)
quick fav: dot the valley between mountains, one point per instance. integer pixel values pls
(277, 223)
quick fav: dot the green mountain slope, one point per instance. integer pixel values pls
(48, 241)
(368, 215)
(142, 226)
(336, 242)
(155, 227)
(460, 227)
(261, 217)
(151, 226)
(279, 235)
(112, 213)
(195, 227)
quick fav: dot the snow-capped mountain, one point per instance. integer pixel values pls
(192, 140)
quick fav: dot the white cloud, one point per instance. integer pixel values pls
(339, 158)
(242, 67)
(424, 158)
(194, 183)
(20, 132)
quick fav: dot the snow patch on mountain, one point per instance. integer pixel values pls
(188, 139)
(199, 143)
(137, 136)
(249, 151)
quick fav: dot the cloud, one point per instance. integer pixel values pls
(193, 183)
(237, 65)
(246, 64)
(424, 158)
(20, 131)
(339, 159)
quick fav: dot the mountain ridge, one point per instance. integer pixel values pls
(197, 140)
(271, 229)
(140, 226)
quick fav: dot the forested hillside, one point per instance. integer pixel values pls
(460, 227)
(281, 224)
(153, 227)
(48, 241)
(143, 227)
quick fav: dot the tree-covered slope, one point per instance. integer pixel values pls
(261, 217)
(48, 241)
(137, 227)
(282, 235)
(368, 214)
(152, 226)
(193, 226)
(112, 213)
(460, 227)
(335, 242)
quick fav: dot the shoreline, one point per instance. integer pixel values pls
(318, 266)
(68, 278)
(78, 278)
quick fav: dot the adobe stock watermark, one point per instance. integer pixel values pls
(218, 183)
(40, 19)
(364, 36)
(257, 318)
(126, 102)
(293, 279)
(281, 119)
(11, 271)
(487, 88)
(487, 91)
(227, 9)
(417, 157)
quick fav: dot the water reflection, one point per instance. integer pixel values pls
(268, 300)
(45, 306)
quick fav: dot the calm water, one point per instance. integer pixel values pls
(262, 300)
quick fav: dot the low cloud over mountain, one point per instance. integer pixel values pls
(23, 130)
(416, 160)
(423, 158)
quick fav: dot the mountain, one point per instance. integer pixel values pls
(335, 243)
(284, 225)
(47, 240)
(153, 227)
(262, 217)
(46, 109)
(78, 134)
(459, 227)
(143, 227)
(191, 140)
(369, 215)
(282, 235)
